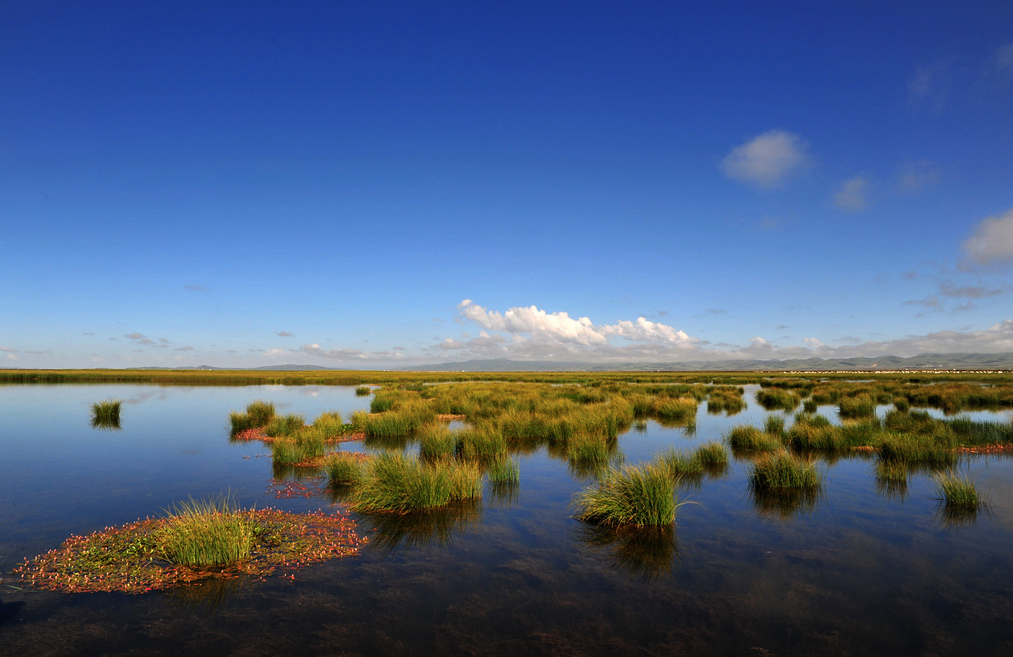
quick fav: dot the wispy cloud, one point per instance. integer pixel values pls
(852, 194)
(194, 288)
(991, 242)
(950, 289)
(283, 334)
(9, 350)
(929, 85)
(768, 160)
(913, 177)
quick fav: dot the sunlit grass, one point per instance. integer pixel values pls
(780, 469)
(106, 414)
(635, 495)
(399, 484)
(211, 532)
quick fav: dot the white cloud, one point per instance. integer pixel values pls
(767, 160)
(560, 328)
(812, 343)
(913, 177)
(10, 350)
(992, 240)
(283, 334)
(851, 197)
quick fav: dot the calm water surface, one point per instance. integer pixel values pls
(856, 570)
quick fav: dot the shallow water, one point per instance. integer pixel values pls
(855, 570)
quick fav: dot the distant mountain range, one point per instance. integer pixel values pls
(1002, 361)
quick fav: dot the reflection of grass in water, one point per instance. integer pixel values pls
(363, 391)
(644, 552)
(891, 479)
(396, 532)
(289, 472)
(785, 503)
(207, 597)
(106, 415)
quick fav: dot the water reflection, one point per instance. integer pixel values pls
(645, 552)
(288, 472)
(505, 492)
(109, 423)
(207, 597)
(957, 517)
(785, 503)
(387, 443)
(396, 532)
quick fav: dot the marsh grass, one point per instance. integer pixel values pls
(958, 491)
(681, 410)
(773, 399)
(363, 391)
(858, 406)
(916, 448)
(505, 472)
(747, 438)
(436, 442)
(399, 484)
(343, 469)
(106, 414)
(203, 533)
(782, 470)
(482, 444)
(285, 426)
(810, 406)
(891, 478)
(635, 495)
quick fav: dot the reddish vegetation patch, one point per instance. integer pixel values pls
(998, 448)
(250, 434)
(125, 559)
(347, 437)
(308, 487)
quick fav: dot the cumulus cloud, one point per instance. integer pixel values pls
(913, 177)
(851, 197)
(560, 327)
(767, 160)
(992, 241)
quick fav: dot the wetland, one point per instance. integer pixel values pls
(785, 515)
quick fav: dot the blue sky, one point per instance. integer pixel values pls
(385, 184)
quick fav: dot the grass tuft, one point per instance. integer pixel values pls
(399, 484)
(957, 491)
(202, 533)
(106, 415)
(636, 495)
(782, 470)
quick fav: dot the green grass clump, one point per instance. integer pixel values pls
(773, 399)
(343, 469)
(636, 495)
(436, 442)
(916, 448)
(712, 456)
(858, 406)
(285, 426)
(748, 438)
(774, 425)
(363, 391)
(958, 492)
(682, 465)
(106, 414)
(814, 432)
(782, 470)
(504, 472)
(483, 444)
(680, 410)
(290, 451)
(399, 484)
(202, 533)
(260, 412)
(810, 406)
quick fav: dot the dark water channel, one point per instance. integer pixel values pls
(859, 570)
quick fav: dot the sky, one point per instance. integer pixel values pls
(388, 184)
